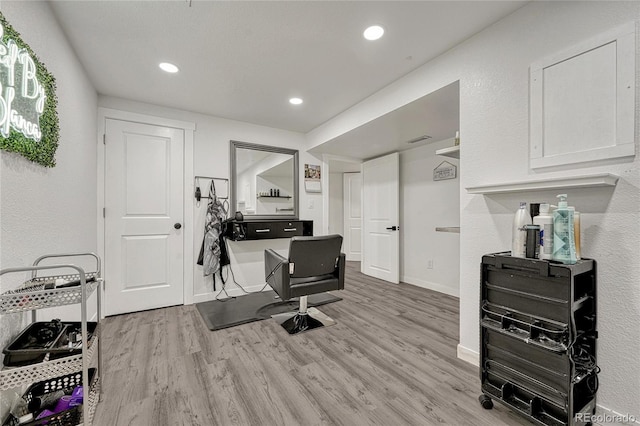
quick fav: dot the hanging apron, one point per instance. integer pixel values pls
(211, 251)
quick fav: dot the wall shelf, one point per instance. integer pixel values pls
(452, 151)
(453, 229)
(569, 182)
(274, 196)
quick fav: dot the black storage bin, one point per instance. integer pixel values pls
(538, 337)
(35, 342)
(69, 417)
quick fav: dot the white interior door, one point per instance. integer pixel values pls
(380, 200)
(352, 194)
(143, 216)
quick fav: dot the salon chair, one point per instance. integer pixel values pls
(315, 265)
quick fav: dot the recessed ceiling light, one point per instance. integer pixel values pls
(295, 101)
(374, 32)
(168, 67)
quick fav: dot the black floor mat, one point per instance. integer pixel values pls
(253, 307)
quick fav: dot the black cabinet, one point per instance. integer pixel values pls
(538, 338)
(267, 229)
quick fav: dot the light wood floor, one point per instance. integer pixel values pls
(389, 360)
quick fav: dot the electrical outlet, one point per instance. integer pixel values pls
(429, 263)
(310, 204)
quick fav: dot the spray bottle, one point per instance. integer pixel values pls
(519, 233)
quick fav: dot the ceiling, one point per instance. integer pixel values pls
(436, 115)
(243, 60)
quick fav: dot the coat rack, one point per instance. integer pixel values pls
(198, 193)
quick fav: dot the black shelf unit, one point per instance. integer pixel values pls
(538, 338)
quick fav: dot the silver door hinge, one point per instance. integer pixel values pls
(104, 212)
(104, 139)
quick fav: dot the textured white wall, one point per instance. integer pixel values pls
(336, 203)
(211, 158)
(493, 69)
(424, 205)
(49, 210)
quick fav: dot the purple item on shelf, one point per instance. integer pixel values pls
(45, 413)
(77, 397)
(63, 404)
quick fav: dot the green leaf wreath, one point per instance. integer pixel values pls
(43, 151)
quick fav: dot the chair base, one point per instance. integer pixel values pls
(295, 322)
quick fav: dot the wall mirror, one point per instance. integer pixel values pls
(264, 181)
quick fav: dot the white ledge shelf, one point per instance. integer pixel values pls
(452, 151)
(570, 182)
(452, 229)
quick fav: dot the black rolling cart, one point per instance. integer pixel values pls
(538, 338)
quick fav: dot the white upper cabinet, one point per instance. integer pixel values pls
(583, 101)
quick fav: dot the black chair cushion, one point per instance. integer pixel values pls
(314, 256)
(305, 280)
(314, 287)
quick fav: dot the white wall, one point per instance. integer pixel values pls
(49, 210)
(336, 203)
(211, 158)
(493, 71)
(424, 205)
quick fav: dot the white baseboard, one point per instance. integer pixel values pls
(431, 286)
(233, 292)
(466, 354)
(606, 415)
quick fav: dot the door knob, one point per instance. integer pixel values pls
(393, 228)
(177, 225)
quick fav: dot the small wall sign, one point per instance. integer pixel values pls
(28, 117)
(444, 171)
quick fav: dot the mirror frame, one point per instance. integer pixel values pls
(296, 177)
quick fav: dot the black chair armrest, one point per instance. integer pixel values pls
(276, 273)
(341, 267)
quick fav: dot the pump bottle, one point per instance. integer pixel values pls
(545, 221)
(564, 248)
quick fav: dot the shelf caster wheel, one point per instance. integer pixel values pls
(486, 402)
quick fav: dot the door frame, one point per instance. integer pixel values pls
(324, 177)
(187, 203)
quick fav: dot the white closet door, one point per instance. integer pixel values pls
(144, 216)
(352, 215)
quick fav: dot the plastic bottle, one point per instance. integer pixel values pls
(564, 244)
(576, 230)
(534, 210)
(519, 233)
(545, 220)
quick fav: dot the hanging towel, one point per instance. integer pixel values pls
(211, 251)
